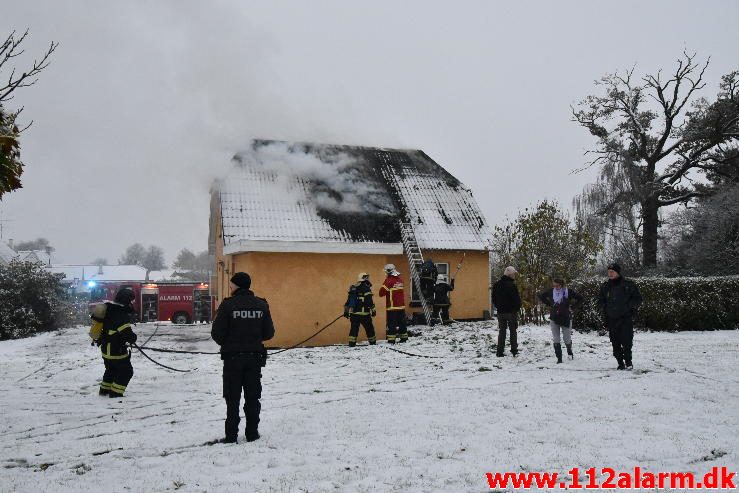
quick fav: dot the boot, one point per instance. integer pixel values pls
(621, 365)
(569, 351)
(558, 351)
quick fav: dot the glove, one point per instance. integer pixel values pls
(373, 312)
(346, 314)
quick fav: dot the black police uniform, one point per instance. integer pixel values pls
(360, 308)
(242, 323)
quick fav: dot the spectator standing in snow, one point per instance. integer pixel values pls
(114, 339)
(392, 290)
(242, 324)
(429, 274)
(619, 299)
(441, 299)
(507, 303)
(561, 301)
(359, 309)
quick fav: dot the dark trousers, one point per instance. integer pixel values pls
(507, 321)
(427, 287)
(621, 334)
(441, 312)
(366, 322)
(118, 372)
(243, 371)
(396, 325)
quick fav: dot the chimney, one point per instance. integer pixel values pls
(10, 244)
(100, 269)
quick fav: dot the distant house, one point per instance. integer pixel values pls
(305, 219)
(37, 256)
(82, 277)
(6, 253)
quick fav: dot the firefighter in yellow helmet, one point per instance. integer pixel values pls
(360, 308)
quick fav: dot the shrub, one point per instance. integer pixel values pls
(33, 300)
(676, 303)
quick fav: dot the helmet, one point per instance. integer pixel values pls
(389, 268)
(124, 296)
(363, 276)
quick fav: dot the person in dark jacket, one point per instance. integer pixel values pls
(561, 300)
(619, 299)
(242, 323)
(428, 275)
(441, 299)
(507, 303)
(359, 309)
(116, 335)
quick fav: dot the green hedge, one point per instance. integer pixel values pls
(675, 303)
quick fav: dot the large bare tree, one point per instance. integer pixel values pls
(11, 166)
(655, 138)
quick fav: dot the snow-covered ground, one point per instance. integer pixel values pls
(368, 418)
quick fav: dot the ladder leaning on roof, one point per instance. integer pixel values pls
(408, 237)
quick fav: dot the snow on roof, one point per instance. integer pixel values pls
(100, 273)
(311, 194)
(6, 253)
(35, 256)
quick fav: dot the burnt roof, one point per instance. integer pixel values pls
(320, 192)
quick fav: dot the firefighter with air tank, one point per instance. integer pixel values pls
(360, 308)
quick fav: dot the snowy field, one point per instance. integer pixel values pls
(367, 419)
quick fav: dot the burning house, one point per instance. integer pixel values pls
(304, 219)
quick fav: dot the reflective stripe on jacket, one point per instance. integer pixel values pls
(393, 291)
(117, 331)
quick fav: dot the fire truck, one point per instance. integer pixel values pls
(177, 302)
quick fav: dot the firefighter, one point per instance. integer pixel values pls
(116, 333)
(441, 299)
(429, 274)
(242, 324)
(360, 308)
(392, 290)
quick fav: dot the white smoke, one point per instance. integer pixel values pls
(336, 180)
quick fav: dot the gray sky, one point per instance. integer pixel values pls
(145, 102)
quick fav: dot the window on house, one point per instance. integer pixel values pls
(442, 268)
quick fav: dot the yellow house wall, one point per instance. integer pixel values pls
(306, 291)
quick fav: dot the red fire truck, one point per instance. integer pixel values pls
(178, 302)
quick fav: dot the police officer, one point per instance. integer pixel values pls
(359, 309)
(241, 325)
(116, 334)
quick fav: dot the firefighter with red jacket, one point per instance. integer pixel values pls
(242, 324)
(393, 291)
(359, 309)
(114, 339)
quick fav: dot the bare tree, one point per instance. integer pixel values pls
(654, 138)
(11, 166)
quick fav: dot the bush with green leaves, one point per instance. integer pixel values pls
(33, 300)
(676, 303)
